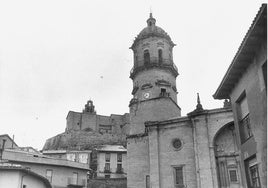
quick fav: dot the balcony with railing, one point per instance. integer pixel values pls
(76, 182)
(154, 62)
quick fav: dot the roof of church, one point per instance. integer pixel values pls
(152, 30)
(244, 55)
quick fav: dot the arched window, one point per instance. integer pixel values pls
(160, 57)
(146, 56)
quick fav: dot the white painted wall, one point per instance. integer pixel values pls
(13, 178)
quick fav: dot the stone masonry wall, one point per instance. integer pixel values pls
(138, 161)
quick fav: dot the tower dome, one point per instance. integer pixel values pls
(153, 49)
(150, 31)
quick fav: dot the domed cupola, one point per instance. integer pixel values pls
(151, 21)
(152, 30)
(153, 48)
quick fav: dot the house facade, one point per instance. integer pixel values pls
(60, 173)
(245, 84)
(112, 161)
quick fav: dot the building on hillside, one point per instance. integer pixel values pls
(90, 120)
(14, 176)
(59, 172)
(29, 149)
(82, 156)
(245, 84)
(165, 149)
(112, 161)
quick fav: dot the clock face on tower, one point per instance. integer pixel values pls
(146, 95)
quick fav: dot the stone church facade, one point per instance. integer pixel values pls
(166, 149)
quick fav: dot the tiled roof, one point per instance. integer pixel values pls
(245, 54)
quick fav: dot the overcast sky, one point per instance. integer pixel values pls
(57, 54)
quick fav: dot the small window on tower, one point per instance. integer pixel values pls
(146, 57)
(160, 58)
(163, 92)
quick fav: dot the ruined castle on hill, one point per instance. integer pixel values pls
(86, 130)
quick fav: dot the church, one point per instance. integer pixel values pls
(200, 150)
(166, 149)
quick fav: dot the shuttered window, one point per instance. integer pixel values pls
(243, 117)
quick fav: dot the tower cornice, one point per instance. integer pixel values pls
(166, 65)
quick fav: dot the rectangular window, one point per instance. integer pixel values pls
(75, 178)
(107, 167)
(147, 181)
(244, 121)
(245, 128)
(107, 157)
(71, 156)
(252, 173)
(119, 157)
(49, 174)
(119, 168)
(178, 177)
(254, 176)
(233, 175)
(107, 176)
(83, 158)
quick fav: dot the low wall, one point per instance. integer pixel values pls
(108, 183)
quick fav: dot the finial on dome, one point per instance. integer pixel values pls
(151, 20)
(198, 98)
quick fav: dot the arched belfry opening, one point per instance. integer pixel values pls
(227, 157)
(146, 57)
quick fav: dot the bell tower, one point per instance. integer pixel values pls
(154, 75)
(154, 98)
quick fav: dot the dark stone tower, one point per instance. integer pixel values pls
(154, 95)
